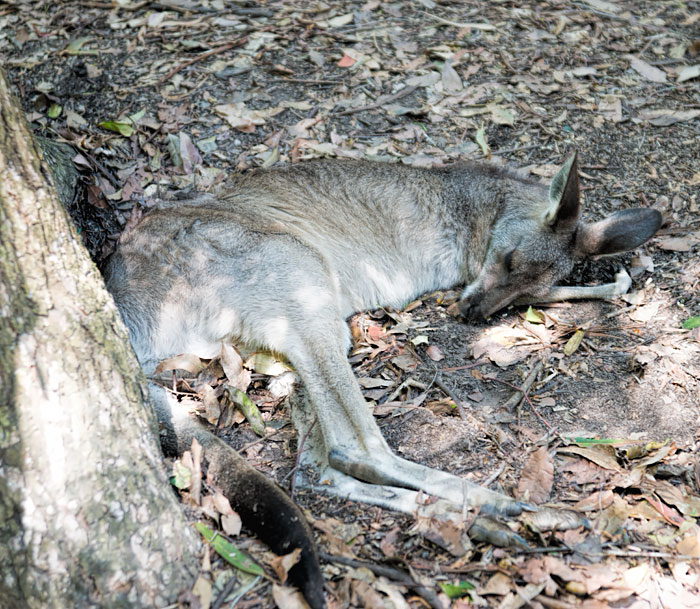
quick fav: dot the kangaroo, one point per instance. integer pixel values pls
(281, 257)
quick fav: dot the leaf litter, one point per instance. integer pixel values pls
(180, 95)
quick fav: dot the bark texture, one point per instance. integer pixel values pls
(87, 518)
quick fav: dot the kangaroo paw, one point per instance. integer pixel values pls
(623, 282)
(385, 468)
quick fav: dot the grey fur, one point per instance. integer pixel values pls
(280, 258)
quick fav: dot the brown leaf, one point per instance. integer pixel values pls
(663, 118)
(601, 454)
(647, 71)
(232, 363)
(288, 598)
(536, 480)
(346, 61)
(184, 361)
(434, 353)
(282, 564)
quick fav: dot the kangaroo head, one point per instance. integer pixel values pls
(535, 242)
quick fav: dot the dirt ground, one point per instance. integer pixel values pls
(178, 94)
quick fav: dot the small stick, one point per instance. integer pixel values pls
(486, 27)
(453, 397)
(522, 393)
(221, 49)
(300, 450)
(516, 398)
(381, 101)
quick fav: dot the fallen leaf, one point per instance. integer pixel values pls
(480, 138)
(574, 342)
(663, 118)
(202, 590)
(691, 322)
(266, 363)
(229, 552)
(645, 312)
(435, 354)
(282, 564)
(603, 5)
(534, 316)
(688, 73)
(184, 361)
(242, 118)
(451, 82)
(611, 109)
(501, 115)
(346, 61)
(535, 484)
(690, 544)
(601, 455)
(647, 71)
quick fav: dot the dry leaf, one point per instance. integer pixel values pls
(451, 82)
(690, 544)
(688, 73)
(647, 71)
(663, 118)
(202, 590)
(282, 564)
(535, 485)
(677, 244)
(184, 361)
(288, 598)
(645, 312)
(434, 353)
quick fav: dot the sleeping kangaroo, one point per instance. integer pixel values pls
(282, 257)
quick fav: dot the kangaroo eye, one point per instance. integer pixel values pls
(508, 261)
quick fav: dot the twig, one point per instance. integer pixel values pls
(453, 396)
(478, 362)
(394, 574)
(225, 591)
(485, 27)
(300, 450)
(221, 49)
(516, 398)
(245, 447)
(522, 392)
(381, 101)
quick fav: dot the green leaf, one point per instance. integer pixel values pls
(228, 551)
(182, 476)
(597, 441)
(533, 316)
(480, 138)
(137, 116)
(457, 590)
(501, 115)
(248, 408)
(122, 127)
(574, 342)
(691, 322)
(266, 363)
(54, 111)
(74, 48)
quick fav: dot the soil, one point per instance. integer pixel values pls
(217, 87)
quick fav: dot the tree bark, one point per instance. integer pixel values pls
(87, 517)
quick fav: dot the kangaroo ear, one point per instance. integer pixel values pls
(564, 201)
(624, 230)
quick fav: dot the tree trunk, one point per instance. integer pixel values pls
(87, 517)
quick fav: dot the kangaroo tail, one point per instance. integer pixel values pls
(264, 508)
